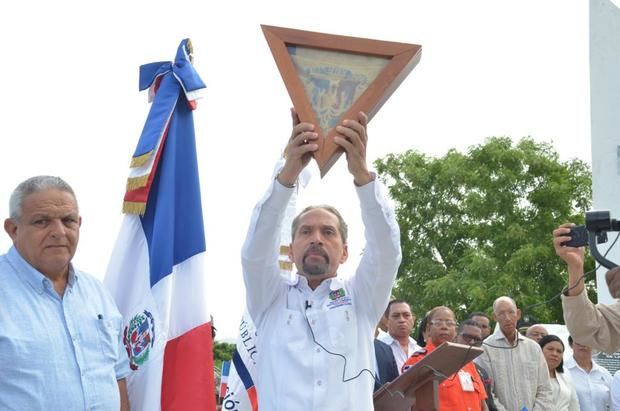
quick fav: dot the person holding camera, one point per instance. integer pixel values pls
(597, 326)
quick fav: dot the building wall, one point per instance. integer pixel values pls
(605, 120)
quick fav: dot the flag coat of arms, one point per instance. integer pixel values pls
(156, 271)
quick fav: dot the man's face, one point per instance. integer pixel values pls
(442, 327)
(47, 233)
(582, 351)
(470, 335)
(400, 320)
(485, 325)
(536, 332)
(507, 316)
(318, 249)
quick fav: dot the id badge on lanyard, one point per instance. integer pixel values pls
(467, 382)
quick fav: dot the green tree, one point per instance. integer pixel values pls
(222, 352)
(478, 225)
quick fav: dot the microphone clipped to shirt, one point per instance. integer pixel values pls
(308, 304)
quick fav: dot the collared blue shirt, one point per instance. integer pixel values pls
(57, 353)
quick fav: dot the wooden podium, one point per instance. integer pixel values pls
(417, 388)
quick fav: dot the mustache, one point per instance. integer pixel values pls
(316, 249)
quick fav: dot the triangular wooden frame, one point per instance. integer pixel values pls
(402, 59)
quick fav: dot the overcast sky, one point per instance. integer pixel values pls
(70, 103)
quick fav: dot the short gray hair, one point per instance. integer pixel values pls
(342, 226)
(504, 298)
(31, 186)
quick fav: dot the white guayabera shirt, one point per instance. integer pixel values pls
(294, 373)
(518, 372)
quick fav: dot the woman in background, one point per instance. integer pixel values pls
(564, 394)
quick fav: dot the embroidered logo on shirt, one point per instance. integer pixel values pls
(339, 293)
(338, 298)
(138, 338)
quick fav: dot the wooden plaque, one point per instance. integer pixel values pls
(417, 388)
(330, 78)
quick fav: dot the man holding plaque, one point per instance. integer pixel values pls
(315, 332)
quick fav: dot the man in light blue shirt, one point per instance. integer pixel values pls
(60, 332)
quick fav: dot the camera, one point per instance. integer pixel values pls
(598, 223)
(601, 221)
(578, 237)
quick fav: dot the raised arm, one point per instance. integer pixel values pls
(597, 326)
(259, 255)
(375, 275)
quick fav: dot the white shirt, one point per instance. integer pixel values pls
(564, 394)
(615, 392)
(293, 372)
(399, 355)
(593, 388)
(518, 372)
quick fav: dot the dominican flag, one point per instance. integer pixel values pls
(224, 378)
(156, 272)
(240, 392)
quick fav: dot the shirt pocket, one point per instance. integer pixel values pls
(530, 371)
(293, 325)
(342, 329)
(108, 337)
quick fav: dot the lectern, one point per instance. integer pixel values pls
(417, 388)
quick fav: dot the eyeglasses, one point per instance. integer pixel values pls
(472, 339)
(438, 323)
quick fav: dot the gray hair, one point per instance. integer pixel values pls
(31, 186)
(342, 226)
(504, 298)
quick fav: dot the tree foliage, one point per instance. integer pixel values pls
(222, 352)
(477, 225)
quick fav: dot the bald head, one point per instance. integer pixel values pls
(506, 314)
(536, 332)
(503, 300)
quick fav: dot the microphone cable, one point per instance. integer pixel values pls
(344, 368)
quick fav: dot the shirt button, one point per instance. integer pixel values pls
(312, 322)
(319, 383)
(318, 350)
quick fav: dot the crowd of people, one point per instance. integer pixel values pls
(518, 370)
(319, 319)
(315, 342)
